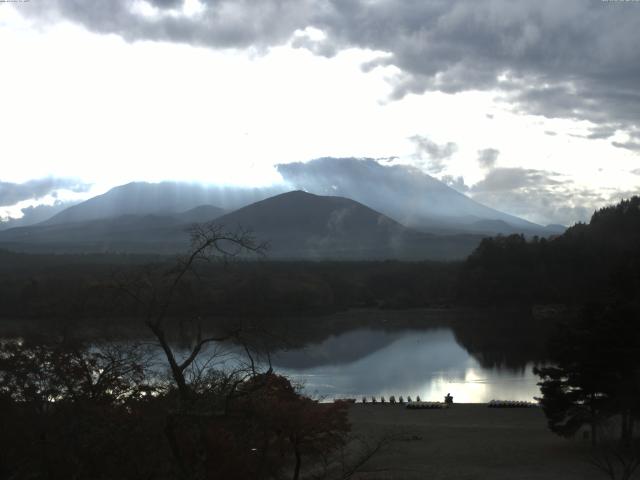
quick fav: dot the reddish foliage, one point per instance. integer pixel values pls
(268, 428)
(67, 412)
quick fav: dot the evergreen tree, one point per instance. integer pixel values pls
(596, 372)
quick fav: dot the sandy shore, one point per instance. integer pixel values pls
(471, 441)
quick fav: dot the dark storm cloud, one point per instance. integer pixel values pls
(487, 158)
(575, 59)
(221, 24)
(12, 193)
(572, 59)
(431, 155)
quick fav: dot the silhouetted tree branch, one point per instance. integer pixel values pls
(154, 292)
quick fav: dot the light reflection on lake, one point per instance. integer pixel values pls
(429, 363)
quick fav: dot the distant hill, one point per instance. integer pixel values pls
(124, 233)
(165, 198)
(296, 224)
(36, 214)
(491, 227)
(555, 229)
(200, 214)
(302, 225)
(406, 194)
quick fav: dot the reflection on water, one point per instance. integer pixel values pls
(474, 359)
(429, 363)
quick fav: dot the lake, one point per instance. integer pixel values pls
(408, 362)
(475, 358)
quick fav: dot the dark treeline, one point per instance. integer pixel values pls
(599, 260)
(79, 286)
(592, 375)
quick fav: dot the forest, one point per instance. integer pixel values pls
(598, 260)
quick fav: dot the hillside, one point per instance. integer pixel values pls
(302, 225)
(129, 233)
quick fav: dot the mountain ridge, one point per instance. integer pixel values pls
(402, 192)
(298, 225)
(159, 198)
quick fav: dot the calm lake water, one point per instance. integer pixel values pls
(428, 363)
(465, 359)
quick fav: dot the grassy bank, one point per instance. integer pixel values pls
(470, 441)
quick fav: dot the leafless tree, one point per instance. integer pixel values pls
(155, 291)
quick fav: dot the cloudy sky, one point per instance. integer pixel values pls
(529, 107)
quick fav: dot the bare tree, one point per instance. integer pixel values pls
(260, 410)
(155, 291)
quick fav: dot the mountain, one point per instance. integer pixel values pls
(200, 214)
(352, 209)
(36, 214)
(165, 198)
(302, 225)
(404, 193)
(123, 233)
(401, 192)
(296, 224)
(555, 229)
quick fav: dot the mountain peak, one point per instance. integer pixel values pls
(402, 192)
